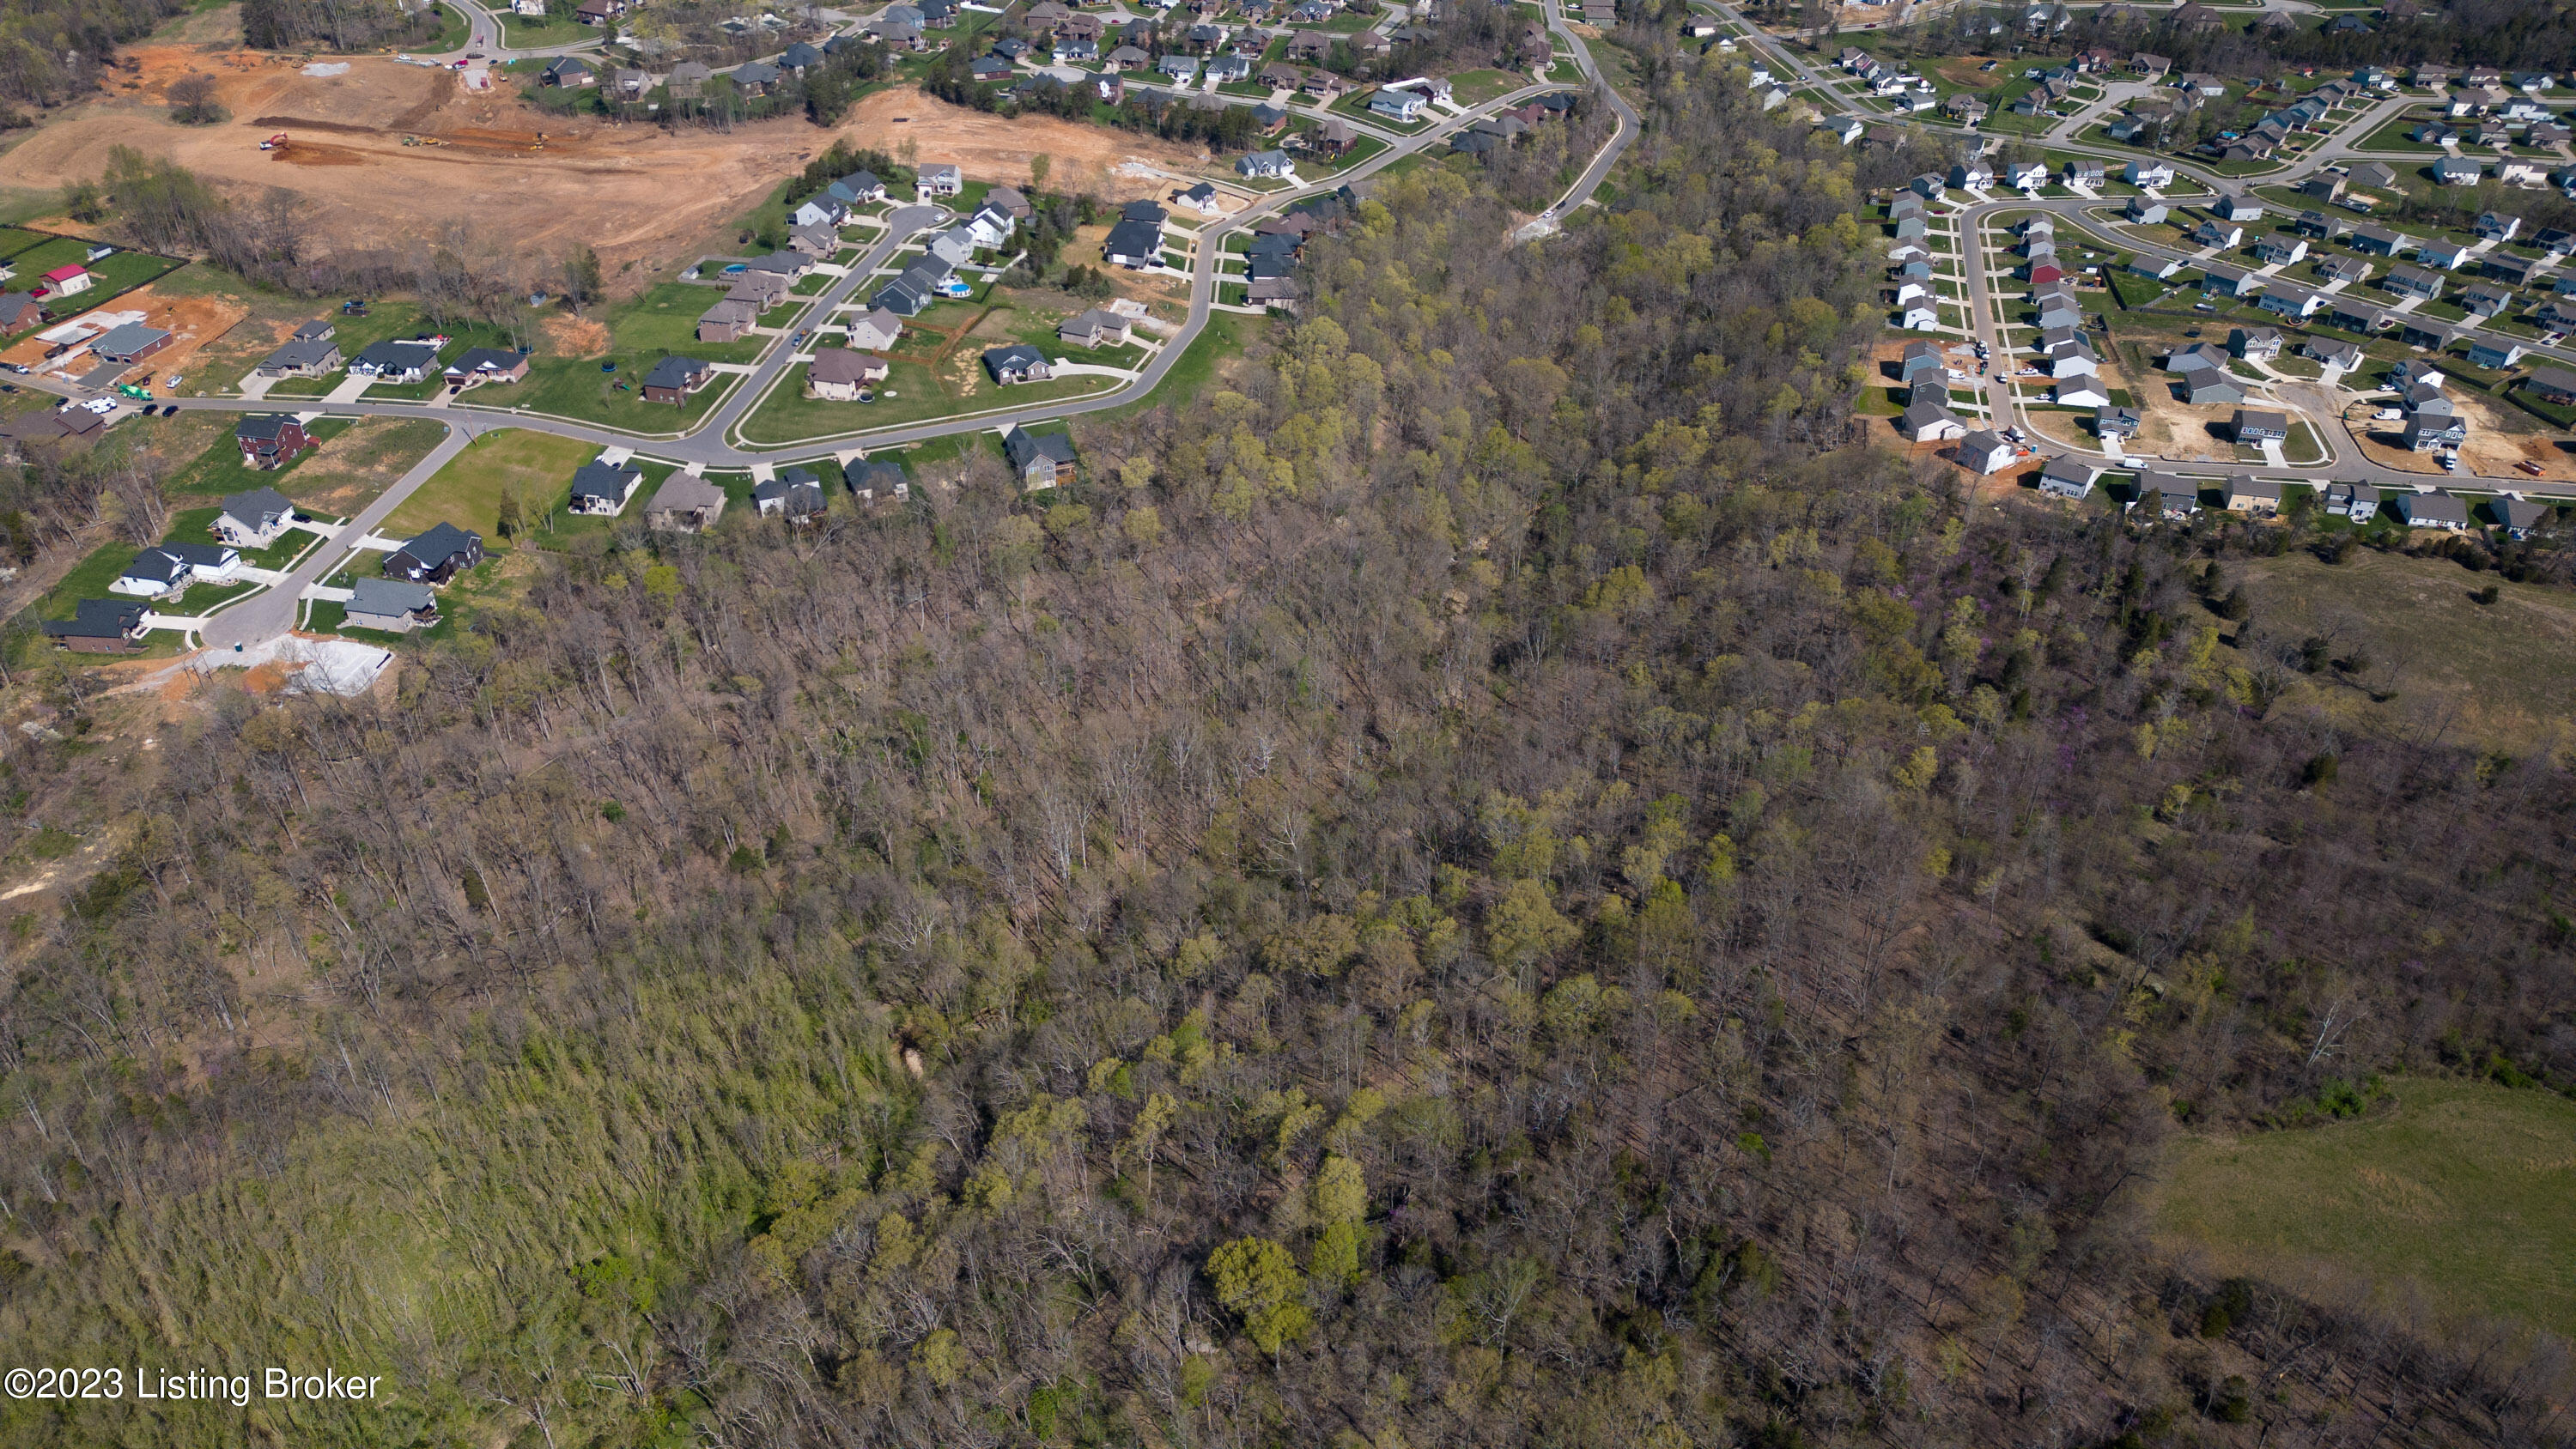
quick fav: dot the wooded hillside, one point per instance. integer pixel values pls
(1498, 880)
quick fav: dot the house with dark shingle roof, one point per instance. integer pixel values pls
(437, 555)
(1042, 461)
(254, 519)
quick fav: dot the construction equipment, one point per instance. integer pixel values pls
(274, 143)
(130, 390)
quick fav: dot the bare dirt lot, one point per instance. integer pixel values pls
(193, 322)
(2500, 436)
(524, 181)
(990, 148)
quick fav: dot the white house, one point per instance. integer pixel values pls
(169, 568)
(2081, 392)
(255, 519)
(2147, 173)
(1921, 317)
(1985, 452)
(939, 179)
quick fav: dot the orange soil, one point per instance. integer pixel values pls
(192, 322)
(632, 192)
(990, 148)
(514, 176)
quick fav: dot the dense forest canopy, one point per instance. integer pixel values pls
(1499, 879)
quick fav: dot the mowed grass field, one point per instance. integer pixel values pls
(2467, 1191)
(2510, 666)
(467, 492)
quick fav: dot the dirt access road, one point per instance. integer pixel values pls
(635, 193)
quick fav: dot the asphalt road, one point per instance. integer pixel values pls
(272, 611)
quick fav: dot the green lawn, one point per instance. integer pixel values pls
(1473, 87)
(577, 388)
(467, 492)
(122, 272)
(87, 580)
(219, 470)
(520, 33)
(665, 319)
(2463, 1190)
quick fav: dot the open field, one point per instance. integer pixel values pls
(2506, 672)
(2462, 1191)
(467, 492)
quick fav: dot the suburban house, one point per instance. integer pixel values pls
(674, 378)
(2144, 211)
(1927, 421)
(795, 494)
(2495, 355)
(436, 556)
(2162, 497)
(917, 288)
(487, 364)
(99, 626)
(1133, 244)
(130, 343)
(728, 321)
(169, 568)
(2254, 343)
(760, 289)
(2552, 385)
(2380, 242)
(2481, 299)
(2431, 510)
(2068, 477)
(1397, 105)
(568, 70)
(1201, 198)
(838, 374)
(2249, 494)
(301, 359)
(864, 476)
(2446, 255)
(600, 489)
(1986, 452)
(396, 359)
(1094, 328)
(2428, 431)
(2356, 501)
(938, 179)
(2520, 516)
(2341, 356)
(876, 331)
(1263, 165)
(1046, 461)
(270, 440)
(2280, 251)
(1017, 363)
(2115, 422)
(685, 503)
(2413, 282)
(2293, 302)
(393, 606)
(2147, 173)
(255, 519)
(19, 311)
(68, 281)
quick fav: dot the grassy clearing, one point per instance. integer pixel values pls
(467, 492)
(2508, 668)
(220, 470)
(2463, 1190)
